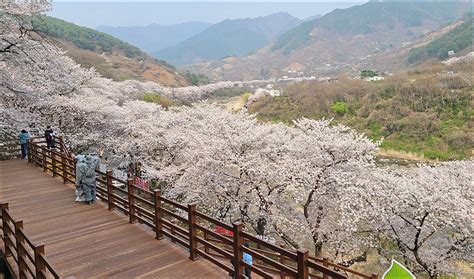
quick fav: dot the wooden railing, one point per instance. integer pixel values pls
(9, 146)
(192, 229)
(28, 257)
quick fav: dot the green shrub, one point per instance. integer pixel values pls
(196, 79)
(436, 154)
(340, 107)
(163, 101)
(246, 96)
(368, 73)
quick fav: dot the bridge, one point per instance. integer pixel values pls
(129, 232)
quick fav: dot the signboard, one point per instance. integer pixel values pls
(142, 184)
(223, 231)
(397, 271)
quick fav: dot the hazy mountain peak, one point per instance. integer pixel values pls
(154, 37)
(374, 33)
(230, 37)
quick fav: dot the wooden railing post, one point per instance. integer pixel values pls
(40, 267)
(206, 248)
(53, 162)
(20, 251)
(4, 208)
(192, 231)
(63, 163)
(131, 207)
(138, 204)
(35, 151)
(281, 258)
(157, 217)
(302, 261)
(61, 144)
(237, 247)
(45, 161)
(110, 190)
(325, 264)
(172, 230)
(30, 149)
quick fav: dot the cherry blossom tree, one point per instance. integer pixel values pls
(310, 185)
(427, 212)
(29, 62)
(32, 70)
(287, 183)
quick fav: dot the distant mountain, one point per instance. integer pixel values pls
(344, 40)
(373, 18)
(457, 40)
(312, 17)
(111, 57)
(229, 37)
(155, 37)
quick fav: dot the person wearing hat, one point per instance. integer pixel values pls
(88, 178)
(80, 170)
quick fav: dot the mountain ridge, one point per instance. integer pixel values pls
(111, 57)
(155, 37)
(342, 41)
(248, 34)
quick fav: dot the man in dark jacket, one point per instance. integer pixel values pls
(48, 135)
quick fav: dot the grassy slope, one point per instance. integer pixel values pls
(111, 57)
(426, 111)
(457, 40)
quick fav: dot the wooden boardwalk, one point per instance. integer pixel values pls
(88, 240)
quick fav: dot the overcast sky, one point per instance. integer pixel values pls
(128, 13)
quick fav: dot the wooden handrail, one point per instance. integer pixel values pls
(10, 146)
(22, 257)
(160, 213)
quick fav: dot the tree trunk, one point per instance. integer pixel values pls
(318, 249)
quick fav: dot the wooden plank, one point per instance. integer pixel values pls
(88, 240)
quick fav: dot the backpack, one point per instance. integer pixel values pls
(90, 172)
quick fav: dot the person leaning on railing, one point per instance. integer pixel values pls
(48, 136)
(248, 260)
(24, 137)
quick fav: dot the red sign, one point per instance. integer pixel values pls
(142, 184)
(221, 230)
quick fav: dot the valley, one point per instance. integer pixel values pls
(343, 134)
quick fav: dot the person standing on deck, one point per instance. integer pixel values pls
(248, 260)
(24, 137)
(89, 178)
(80, 171)
(48, 135)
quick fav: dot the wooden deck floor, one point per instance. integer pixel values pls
(88, 240)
